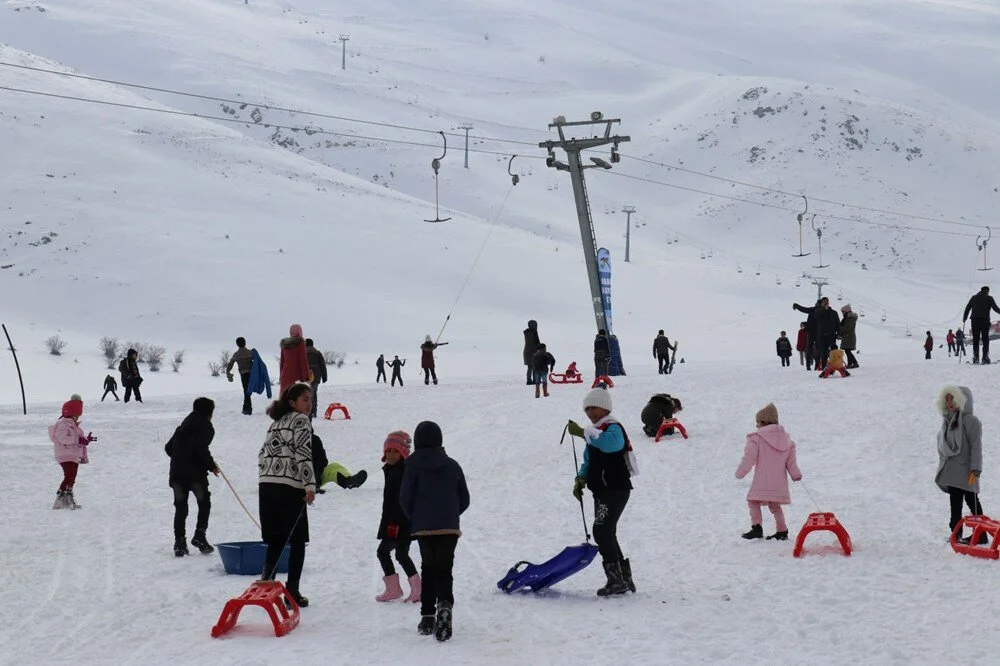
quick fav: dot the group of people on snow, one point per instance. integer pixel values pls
(818, 336)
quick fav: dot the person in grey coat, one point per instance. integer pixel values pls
(960, 452)
(847, 335)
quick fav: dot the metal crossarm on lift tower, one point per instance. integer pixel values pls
(574, 164)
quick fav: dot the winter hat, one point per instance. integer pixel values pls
(75, 396)
(598, 397)
(427, 435)
(398, 441)
(846, 308)
(73, 407)
(768, 415)
(427, 338)
(204, 406)
(295, 331)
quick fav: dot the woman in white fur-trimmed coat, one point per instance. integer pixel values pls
(960, 451)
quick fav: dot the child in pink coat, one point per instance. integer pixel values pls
(70, 449)
(772, 451)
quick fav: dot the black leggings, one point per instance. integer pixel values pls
(608, 508)
(957, 496)
(437, 557)
(402, 548)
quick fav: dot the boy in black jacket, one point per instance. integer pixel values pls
(542, 363)
(433, 496)
(394, 528)
(110, 386)
(784, 348)
(190, 463)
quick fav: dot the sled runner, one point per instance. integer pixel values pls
(336, 407)
(571, 376)
(980, 526)
(670, 424)
(542, 576)
(821, 521)
(269, 595)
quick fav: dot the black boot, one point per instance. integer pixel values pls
(756, 532)
(616, 584)
(201, 543)
(779, 536)
(442, 621)
(626, 568)
(426, 626)
(293, 592)
(353, 481)
(180, 546)
(986, 359)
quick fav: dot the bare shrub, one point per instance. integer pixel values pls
(110, 347)
(154, 356)
(215, 368)
(178, 360)
(335, 358)
(55, 345)
(225, 357)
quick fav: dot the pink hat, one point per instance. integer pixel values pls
(295, 331)
(398, 441)
(72, 408)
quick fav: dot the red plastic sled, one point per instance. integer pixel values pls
(334, 407)
(269, 595)
(562, 378)
(823, 522)
(980, 525)
(670, 423)
(602, 379)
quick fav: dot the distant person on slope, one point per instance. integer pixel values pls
(129, 367)
(294, 364)
(784, 348)
(960, 342)
(427, 359)
(242, 358)
(602, 353)
(397, 370)
(530, 347)
(380, 368)
(110, 386)
(661, 352)
(70, 445)
(771, 451)
(848, 337)
(928, 346)
(542, 363)
(800, 346)
(960, 453)
(190, 463)
(317, 368)
(979, 307)
(950, 339)
(812, 333)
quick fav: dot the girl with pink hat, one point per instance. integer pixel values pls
(70, 449)
(394, 528)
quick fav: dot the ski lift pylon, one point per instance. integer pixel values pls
(436, 165)
(982, 248)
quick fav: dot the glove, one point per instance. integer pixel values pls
(229, 376)
(799, 478)
(578, 488)
(574, 428)
(91, 437)
(973, 475)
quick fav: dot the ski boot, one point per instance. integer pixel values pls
(779, 536)
(68, 499)
(426, 626)
(616, 584)
(201, 543)
(626, 568)
(180, 546)
(60, 502)
(756, 532)
(442, 621)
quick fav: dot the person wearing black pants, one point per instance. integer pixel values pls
(980, 306)
(960, 453)
(433, 496)
(606, 472)
(110, 386)
(380, 368)
(287, 484)
(397, 371)
(190, 463)
(394, 528)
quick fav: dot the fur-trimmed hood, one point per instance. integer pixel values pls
(962, 396)
(289, 343)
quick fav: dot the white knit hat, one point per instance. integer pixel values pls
(598, 397)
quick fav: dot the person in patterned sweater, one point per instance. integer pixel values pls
(287, 484)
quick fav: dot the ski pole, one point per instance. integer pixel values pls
(274, 569)
(810, 496)
(576, 464)
(236, 495)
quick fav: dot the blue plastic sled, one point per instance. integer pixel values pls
(542, 576)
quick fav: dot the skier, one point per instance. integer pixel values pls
(190, 463)
(812, 333)
(800, 346)
(287, 483)
(660, 407)
(950, 339)
(848, 337)
(661, 352)
(293, 365)
(542, 363)
(771, 451)
(427, 359)
(607, 472)
(110, 386)
(242, 358)
(70, 449)
(980, 306)
(397, 366)
(960, 342)
(929, 345)
(317, 369)
(602, 353)
(394, 528)
(784, 347)
(960, 454)
(129, 367)
(433, 496)
(530, 347)
(380, 367)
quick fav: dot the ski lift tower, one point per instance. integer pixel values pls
(820, 282)
(574, 164)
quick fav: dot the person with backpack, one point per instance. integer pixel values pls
(242, 358)
(606, 471)
(530, 347)
(929, 346)
(110, 386)
(784, 347)
(317, 369)
(980, 306)
(661, 352)
(131, 379)
(427, 359)
(542, 364)
(960, 342)
(190, 463)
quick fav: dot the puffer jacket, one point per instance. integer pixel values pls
(69, 441)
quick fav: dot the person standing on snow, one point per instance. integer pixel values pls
(784, 347)
(317, 368)
(242, 358)
(959, 342)
(812, 333)
(606, 471)
(427, 359)
(542, 363)
(129, 367)
(801, 347)
(979, 307)
(960, 453)
(70, 449)
(928, 346)
(950, 339)
(380, 367)
(530, 347)
(848, 337)
(602, 353)
(661, 352)
(827, 328)
(397, 367)
(394, 528)
(190, 463)
(293, 366)
(110, 386)
(771, 451)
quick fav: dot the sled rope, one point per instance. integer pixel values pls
(474, 263)
(237, 496)
(274, 569)
(815, 503)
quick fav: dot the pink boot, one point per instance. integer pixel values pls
(392, 589)
(414, 589)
